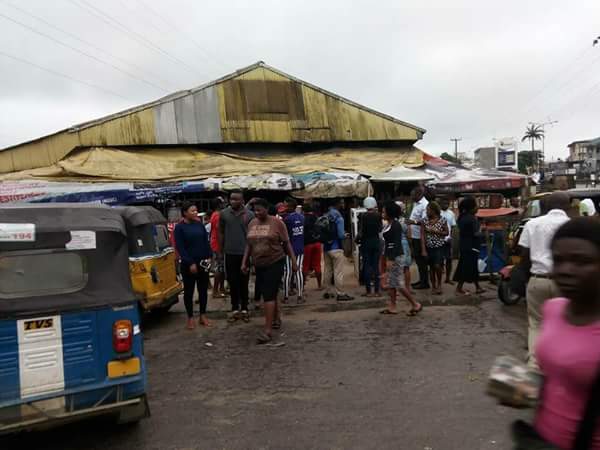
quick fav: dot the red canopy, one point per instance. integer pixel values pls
(495, 212)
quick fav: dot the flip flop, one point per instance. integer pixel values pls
(413, 312)
(388, 312)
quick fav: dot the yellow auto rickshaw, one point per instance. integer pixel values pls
(152, 259)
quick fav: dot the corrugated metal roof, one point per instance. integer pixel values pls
(236, 74)
(183, 93)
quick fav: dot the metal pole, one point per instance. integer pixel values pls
(456, 141)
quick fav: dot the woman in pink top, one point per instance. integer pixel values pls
(568, 348)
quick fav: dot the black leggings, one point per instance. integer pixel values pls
(190, 281)
(371, 254)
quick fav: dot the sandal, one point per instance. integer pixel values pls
(263, 338)
(205, 322)
(413, 312)
(388, 312)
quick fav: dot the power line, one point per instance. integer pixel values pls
(90, 44)
(174, 27)
(136, 36)
(75, 49)
(588, 92)
(63, 75)
(530, 104)
(127, 7)
(555, 77)
(561, 88)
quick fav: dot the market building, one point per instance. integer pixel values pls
(257, 129)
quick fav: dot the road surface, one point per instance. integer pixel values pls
(347, 378)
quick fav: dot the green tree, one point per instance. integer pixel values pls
(529, 160)
(534, 133)
(448, 157)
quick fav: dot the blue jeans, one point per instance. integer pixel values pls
(371, 254)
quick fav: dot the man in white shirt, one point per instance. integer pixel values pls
(451, 221)
(535, 243)
(418, 214)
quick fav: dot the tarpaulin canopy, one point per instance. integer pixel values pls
(151, 164)
(331, 185)
(36, 191)
(322, 185)
(401, 173)
(460, 179)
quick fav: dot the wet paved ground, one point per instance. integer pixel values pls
(347, 377)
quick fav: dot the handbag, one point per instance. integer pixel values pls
(526, 437)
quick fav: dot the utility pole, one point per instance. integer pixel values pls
(456, 141)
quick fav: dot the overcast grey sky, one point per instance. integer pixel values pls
(475, 69)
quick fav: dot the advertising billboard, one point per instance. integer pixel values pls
(506, 153)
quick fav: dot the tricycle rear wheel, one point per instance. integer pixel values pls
(505, 293)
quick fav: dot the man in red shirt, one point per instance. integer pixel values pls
(218, 264)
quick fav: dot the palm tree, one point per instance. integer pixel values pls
(534, 133)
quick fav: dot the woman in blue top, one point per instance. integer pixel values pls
(191, 240)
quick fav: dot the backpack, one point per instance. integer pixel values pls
(325, 230)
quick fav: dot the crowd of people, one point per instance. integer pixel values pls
(287, 244)
(283, 245)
